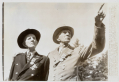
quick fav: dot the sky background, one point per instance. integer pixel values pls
(46, 17)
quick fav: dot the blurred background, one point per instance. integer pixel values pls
(46, 17)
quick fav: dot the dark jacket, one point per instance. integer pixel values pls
(35, 70)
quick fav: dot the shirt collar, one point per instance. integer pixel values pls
(32, 53)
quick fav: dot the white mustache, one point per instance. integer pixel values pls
(68, 37)
(32, 42)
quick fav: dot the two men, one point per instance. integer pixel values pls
(65, 59)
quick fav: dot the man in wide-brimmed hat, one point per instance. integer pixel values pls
(65, 59)
(29, 66)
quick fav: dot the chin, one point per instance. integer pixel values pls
(67, 42)
(32, 46)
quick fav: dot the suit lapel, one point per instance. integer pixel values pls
(66, 52)
(56, 54)
(62, 56)
(36, 58)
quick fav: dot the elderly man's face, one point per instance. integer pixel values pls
(30, 41)
(64, 36)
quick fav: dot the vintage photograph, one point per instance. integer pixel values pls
(55, 41)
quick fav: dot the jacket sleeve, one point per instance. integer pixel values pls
(12, 70)
(46, 69)
(97, 44)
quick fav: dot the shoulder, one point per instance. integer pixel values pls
(43, 56)
(56, 49)
(45, 59)
(80, 48)
(19, 54)
(53, 52)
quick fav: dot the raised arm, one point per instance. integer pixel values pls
(98, 42)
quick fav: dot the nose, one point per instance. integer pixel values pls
(32, 39)
(67, 33)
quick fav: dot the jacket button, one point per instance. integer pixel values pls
(75, 66)
(63, 68)
(16, 73)
(54, 69)
(53, 75)
(54, 60)
(17, 64)
(60, 78)
(32, 74)
(61, 75)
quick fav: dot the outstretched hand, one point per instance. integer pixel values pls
(99, 18)
(74, 42)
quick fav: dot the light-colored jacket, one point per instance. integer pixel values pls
(63, 66)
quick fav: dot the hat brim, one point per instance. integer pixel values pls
(21, 37)
(58, 30)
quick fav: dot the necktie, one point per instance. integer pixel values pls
(28, 57)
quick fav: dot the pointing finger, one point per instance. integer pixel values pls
(101, 7)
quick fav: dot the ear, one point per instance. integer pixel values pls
(36, 42)
(58, 39)
(24, 44)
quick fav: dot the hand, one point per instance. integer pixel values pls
(74, 42)
(99, 18)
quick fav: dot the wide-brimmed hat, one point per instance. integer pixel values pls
(58, 30)
(21, 37)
